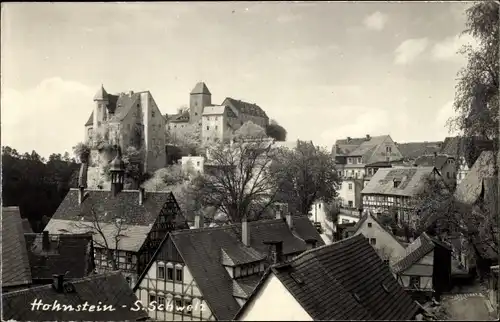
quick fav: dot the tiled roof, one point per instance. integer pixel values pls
(470, 187)
(361, 147)
(15, 263)
(218, 110)
(202, 251)
(432, 161)
(365, 217)
(105, 289)
(181, 117)
(456, 145)
(137, 219)
(68, 254)
(200, 88)
(346, 280)
(411, 181)
(413, 150)
(120, 105)
(101, 94)
(244, 107)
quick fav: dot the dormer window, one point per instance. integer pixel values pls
(396, 182)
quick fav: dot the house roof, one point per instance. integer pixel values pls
(181, 117)
(327, 280)
(105, 289)
(101, 94)
(15, 263)
(137, 219)
(365, 217)
(414, 252)
(204, 250)
(411, 181)
(456, 145)
(119, 105)
(361, 147)
(470, 187)
(244, 107)
(218, 110)
(437, 161)
(200, 88)
(69, 254)
(413, 150)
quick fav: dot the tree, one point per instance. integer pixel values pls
(82, 152)
(276, 131)
(134, 161)
(237, 181)
(188, 137)
(305, 174)
(250, 130)
(165, 178)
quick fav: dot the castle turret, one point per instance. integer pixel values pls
(101, 103)
(117, 171)
(199, 98)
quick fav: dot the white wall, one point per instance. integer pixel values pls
(347, 195)
(344, 218)
(274, 303)
(422, 269)
(195, 162)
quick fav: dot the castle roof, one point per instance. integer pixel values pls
(200, 88)
(119, 105)
(101, 94)
(218, 110)
(413, 150)
(244, 107)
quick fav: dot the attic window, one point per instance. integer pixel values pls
(356, 296)
(386, 289)
(296, 277)
(397, 182)
(369, 225)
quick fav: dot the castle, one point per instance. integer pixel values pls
(126, 120)
(217, 122)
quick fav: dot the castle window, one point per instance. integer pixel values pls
(216, 127)
(152, 113)
(216, 118)
(208, 127)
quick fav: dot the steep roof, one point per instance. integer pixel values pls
(361, 147)
(413, 150)
(470, 187)
(101, 94)
(244, 107)
(411, 180)
(200, 88)
(218, 110)
(374, 218)
(432, 161)
(456, 145)
(203, 251)
(105, 289)
(181, 117)
(70, 254)
(414, 252)
(346, 280)
(119, 105)
(15, 263)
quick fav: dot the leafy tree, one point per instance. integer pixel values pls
(332, 211)
(305, 174)
(165, 178)
(82, 152)
(250, 130)
(188, 137)
(133, 159)
(276, 131)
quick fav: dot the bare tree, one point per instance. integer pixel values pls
(107, 233)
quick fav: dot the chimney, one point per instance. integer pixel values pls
(277, 249)
(57, 282)
(130, 93)
(245, 232)
(311, 243)
(348, 139)
(82, 176)
(81, 192)
(289, 220)
(142, 195)
(368, 137)
(45, 241)
(198, 221)
(360, 212)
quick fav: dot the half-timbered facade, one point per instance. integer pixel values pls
(127, 225)
(392, 189)
(425, 268)
(207, 274)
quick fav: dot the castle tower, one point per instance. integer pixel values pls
(117, 171)
(199, 98)
(100, 108)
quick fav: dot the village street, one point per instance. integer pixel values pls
(467, 307)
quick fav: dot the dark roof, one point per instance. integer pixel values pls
(119, 105)
(380, 164)
(363, 219)
(101, 94)
(27, 226)
(69, 254)
(362, 147)
(414, 252)
(244, 107)
(203, 249)
(327, 280)
(413, 150)
(471, 186)
(456, 145)
(15, 263)
(200, 88)
(109, 289)
(179, 117)
(437, 161)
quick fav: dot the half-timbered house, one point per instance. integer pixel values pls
(425, 268)
(208, 273)
(127, 225)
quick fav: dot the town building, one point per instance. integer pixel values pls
(208, 273)
(86, 299)
(390, 191)
(413, 150)
(342, 281)
(193, 164)
(217, 122)
(352, 155)
(425, 268)
(127, 120)
(127, 225)
(388, 246)
(445, 164)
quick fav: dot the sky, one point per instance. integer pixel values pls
(324, 71)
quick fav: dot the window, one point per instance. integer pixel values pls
(373, 241)
(161, 300)
(138, 105)
(198, 163)
(152, 298)
(349, 160)
(414, 282)
(129, 258)
(447, 175)
(350, 186)
(178, 303)
(188, 302)
(152, 113)
(396, 183)
(319, 206)
(386, 261)
(369, 225)
(350, 203)
(388, 149)
(208, 127)
(170, 274)
(161, 272)
(216, 118)
(345, 221)
(129, 280)
(360, 161)
(216, 127)
(178, 274)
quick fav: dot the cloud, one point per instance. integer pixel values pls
(443, 115)
(48, 118)
(409, 50)
(448, 48)
(376, 21)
